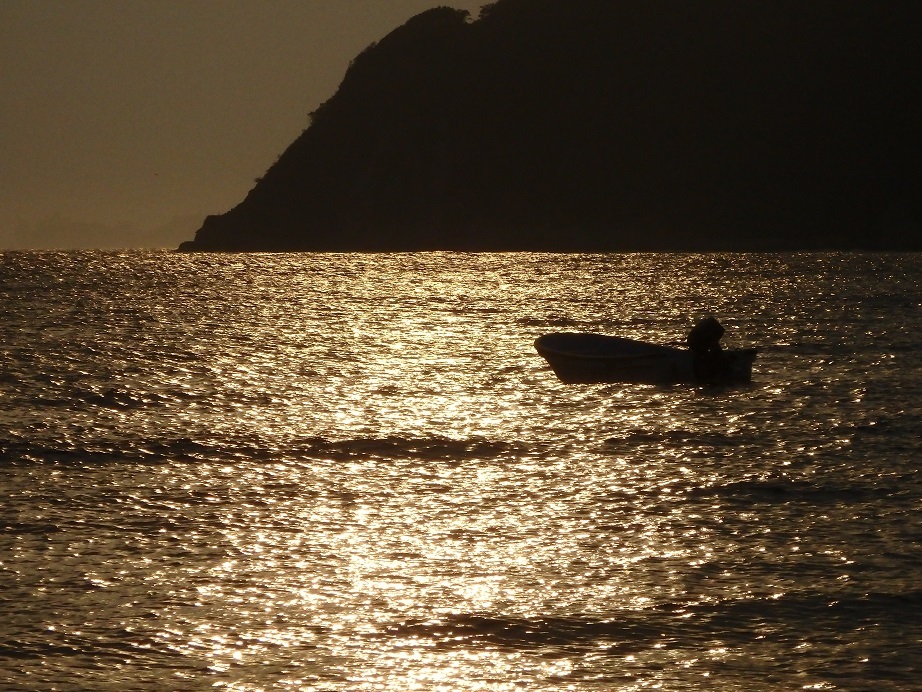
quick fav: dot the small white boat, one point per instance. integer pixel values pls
(592, 358)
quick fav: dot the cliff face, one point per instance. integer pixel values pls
(610, 125)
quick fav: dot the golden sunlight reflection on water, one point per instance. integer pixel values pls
(354, 472)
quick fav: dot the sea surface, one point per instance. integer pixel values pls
(353, 472)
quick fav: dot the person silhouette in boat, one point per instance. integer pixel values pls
(709, 362)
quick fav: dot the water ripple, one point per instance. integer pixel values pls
(353, 472)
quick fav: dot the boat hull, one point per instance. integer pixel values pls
(581, 358)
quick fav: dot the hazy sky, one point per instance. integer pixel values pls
(123, 123)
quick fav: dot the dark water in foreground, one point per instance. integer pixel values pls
(352, 472)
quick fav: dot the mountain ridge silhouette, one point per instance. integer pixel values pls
(604, 125)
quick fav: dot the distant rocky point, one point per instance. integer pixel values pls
(609, 125)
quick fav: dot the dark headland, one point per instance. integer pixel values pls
(609, 125)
